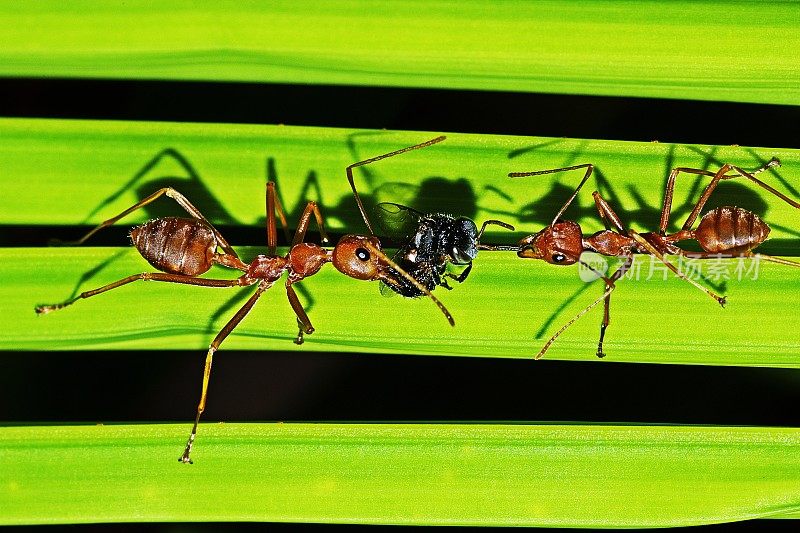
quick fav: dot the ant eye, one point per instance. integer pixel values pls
(558, 258)
(362, 254)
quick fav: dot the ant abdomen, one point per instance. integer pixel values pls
(730, 230)
(176, 245)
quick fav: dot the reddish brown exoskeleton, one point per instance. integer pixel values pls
(724, 231)
(184, 248)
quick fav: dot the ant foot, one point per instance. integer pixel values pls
(187, 450)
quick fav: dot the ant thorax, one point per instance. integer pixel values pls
(266, 268)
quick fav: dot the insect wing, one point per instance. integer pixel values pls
(398, 222)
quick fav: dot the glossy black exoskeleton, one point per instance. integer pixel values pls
(431, 241)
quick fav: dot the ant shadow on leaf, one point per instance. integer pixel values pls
(433, 194)
(147, 180)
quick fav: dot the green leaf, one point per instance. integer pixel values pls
(707, 50)
(567, 476)
(509, 307)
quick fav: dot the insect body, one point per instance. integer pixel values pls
(184, 248)
(728, 230)
(430, 241)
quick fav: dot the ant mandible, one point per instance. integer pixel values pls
(431, 240)
(722, 231)
(184, 248)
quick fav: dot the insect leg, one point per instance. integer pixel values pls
(568, 324)
(302, 225)
(147, 276)
(722, 174)
(773, 259)
(349, 171)
(763, 185)
(274, 207)
(607, 212)
(670, 190)
(229, 327)
(303, 322)
(606, 311)
(463, 275)
(182, 201)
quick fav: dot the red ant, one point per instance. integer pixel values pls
(725, 230)
(184, 248)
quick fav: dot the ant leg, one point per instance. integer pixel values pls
(607, 212)
(221, 336)
(463, 275)
(181, 200)
(609, 290)
(349, 171)
(670, 190)
(606, 311)
(302, 226)
(147, 276)
(303, 322)
(589, 168)
(763, 185)
(751, 255)
(274, 206)
(721, 175)
(773, 259)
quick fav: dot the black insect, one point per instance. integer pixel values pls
(431, 241)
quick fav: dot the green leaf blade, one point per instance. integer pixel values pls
(568, 476)
(508, 307)
(706, 50)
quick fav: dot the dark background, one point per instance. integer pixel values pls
(301, 386)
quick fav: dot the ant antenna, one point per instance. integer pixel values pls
(350, 168)
(372, 248)
(589, 168)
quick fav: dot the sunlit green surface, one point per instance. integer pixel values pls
(708, 50)
(508, 307)
(577, 476)
(82, 172)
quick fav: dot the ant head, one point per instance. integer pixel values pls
(558, 244)
(360, 257)
(464, 241)
(354, 256)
